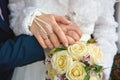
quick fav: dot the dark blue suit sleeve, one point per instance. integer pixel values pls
(23, 50)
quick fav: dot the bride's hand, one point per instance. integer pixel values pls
(72, 32)
(47, 31)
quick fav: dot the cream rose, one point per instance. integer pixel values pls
(95, 54)
(51, 72)
(61, 61)
(76, 71)
(94, 78)
(78, 50)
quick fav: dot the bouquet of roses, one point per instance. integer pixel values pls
(76, 62)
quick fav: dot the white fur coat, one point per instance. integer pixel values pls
(93, 17)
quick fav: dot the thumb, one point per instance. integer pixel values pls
(62, 20)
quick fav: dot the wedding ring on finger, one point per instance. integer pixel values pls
(45, 39)
(49, 35)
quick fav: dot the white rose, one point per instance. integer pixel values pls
(51, 72)
(95, 54)
(60, 61)
(76, 71)
(78, 50)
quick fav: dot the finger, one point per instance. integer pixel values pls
(61, 19)
(74, 35)
(60, 34)
(78, 31)
(48, 42)
(44, 36)
(40, 40)
(53, 38)
(75, 28)
(63, 27)
(35, 31)
(46, 27)
(70, 40)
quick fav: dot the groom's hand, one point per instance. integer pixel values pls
(47, 31)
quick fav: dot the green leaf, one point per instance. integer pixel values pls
(87, 77)
(59, 49)
(91, 41)
(99, 75)
(55, 50)
(87, 68)
(97, 68)
(50, 55)
(66, 79)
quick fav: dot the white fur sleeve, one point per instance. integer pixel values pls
(106, 36)
(22, 16)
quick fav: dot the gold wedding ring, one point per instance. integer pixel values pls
(49, 35)
(45, 39)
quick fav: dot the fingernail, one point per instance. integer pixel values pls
(66, 45)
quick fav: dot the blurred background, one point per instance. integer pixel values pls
(115, 73)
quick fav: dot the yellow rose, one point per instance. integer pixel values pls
(95, 54)
(76, 71)
(78, 50)
(60, 61)
(51, 72)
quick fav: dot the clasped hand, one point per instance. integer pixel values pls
(50, 30)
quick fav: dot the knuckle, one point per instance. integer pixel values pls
(58, 31)
(53, 23)
(51, 16)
